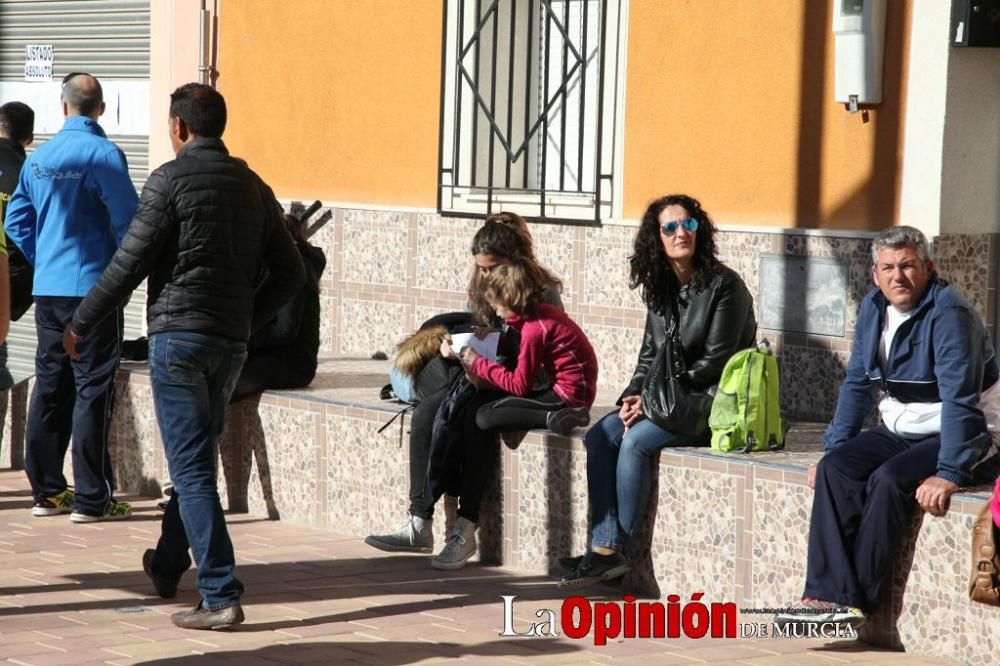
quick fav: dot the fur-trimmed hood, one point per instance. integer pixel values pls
(416, 349)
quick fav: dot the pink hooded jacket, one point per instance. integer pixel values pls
(995, 504)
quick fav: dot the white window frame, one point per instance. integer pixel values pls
(463, 198)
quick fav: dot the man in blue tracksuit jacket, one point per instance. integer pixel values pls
(73, 203)
(920, 343)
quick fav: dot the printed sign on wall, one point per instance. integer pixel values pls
(803, 294)
(38, 62)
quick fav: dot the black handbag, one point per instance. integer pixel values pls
(666, 401)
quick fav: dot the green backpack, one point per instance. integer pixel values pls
(746, 412)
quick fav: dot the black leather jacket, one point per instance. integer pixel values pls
(205, 228)
(715, 323)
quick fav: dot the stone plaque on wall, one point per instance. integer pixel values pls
(803, 294)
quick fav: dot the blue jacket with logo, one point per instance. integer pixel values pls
(940, 354)
(73, 203)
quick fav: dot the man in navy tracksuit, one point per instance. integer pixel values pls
(926, 349)
(73, 203)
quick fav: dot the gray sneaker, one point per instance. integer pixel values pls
(413, 535)
(461, 545)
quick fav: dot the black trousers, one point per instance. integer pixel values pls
(478, 450)
(481, 420)
(72, 399)
(865, 496)
(513, 413)
(262, 372)
(421, 425)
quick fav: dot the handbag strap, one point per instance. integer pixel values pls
(679, 365)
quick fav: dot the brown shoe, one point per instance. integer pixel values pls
(203, 618)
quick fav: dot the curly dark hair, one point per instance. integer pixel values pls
(648, 265)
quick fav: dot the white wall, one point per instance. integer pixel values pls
(923, 140)
(127, 103)
(970, 179)
(173, 62)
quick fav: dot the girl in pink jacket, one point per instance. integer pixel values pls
(550, 341)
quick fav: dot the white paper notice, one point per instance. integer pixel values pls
(38, 62)
(487, 347)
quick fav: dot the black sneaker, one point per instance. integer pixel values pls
(166, 586)
(570, 564)
(595, 568)
(564, 420)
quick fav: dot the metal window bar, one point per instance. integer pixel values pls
(562, 110)
(518, 108)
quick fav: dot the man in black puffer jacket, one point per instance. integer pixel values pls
(205, 228)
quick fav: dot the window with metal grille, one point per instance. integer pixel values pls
(529, 106)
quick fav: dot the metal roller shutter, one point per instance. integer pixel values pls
(109, 39)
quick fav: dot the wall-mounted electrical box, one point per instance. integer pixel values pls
(859, 45)
(975, 23)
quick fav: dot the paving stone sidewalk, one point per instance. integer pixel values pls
(76, 594)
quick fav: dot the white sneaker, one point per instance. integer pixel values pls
(460, 546)
(413, 535)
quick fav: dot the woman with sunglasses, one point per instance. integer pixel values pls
(674, 264)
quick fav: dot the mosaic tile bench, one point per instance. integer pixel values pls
(730, 525)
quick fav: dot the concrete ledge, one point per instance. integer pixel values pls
(732, 526)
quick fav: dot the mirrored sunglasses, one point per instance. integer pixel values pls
(670, 228)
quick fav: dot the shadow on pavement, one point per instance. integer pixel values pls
(387, 653)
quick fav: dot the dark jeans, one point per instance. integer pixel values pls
(619, 474)
(72, 399)
(193, 376)
(865, 496)
(421, 425)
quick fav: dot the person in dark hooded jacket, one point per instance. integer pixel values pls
(283, 354)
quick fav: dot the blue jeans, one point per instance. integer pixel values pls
(193, 376)
(619, 474)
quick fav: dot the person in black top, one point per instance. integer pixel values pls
(17, 126)
(282, 354)
(207, 227)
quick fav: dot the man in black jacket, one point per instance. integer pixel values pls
(206, 227)
(17, 131)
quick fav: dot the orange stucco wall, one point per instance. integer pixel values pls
(729, 101)
(732, 102)
(335, 99)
